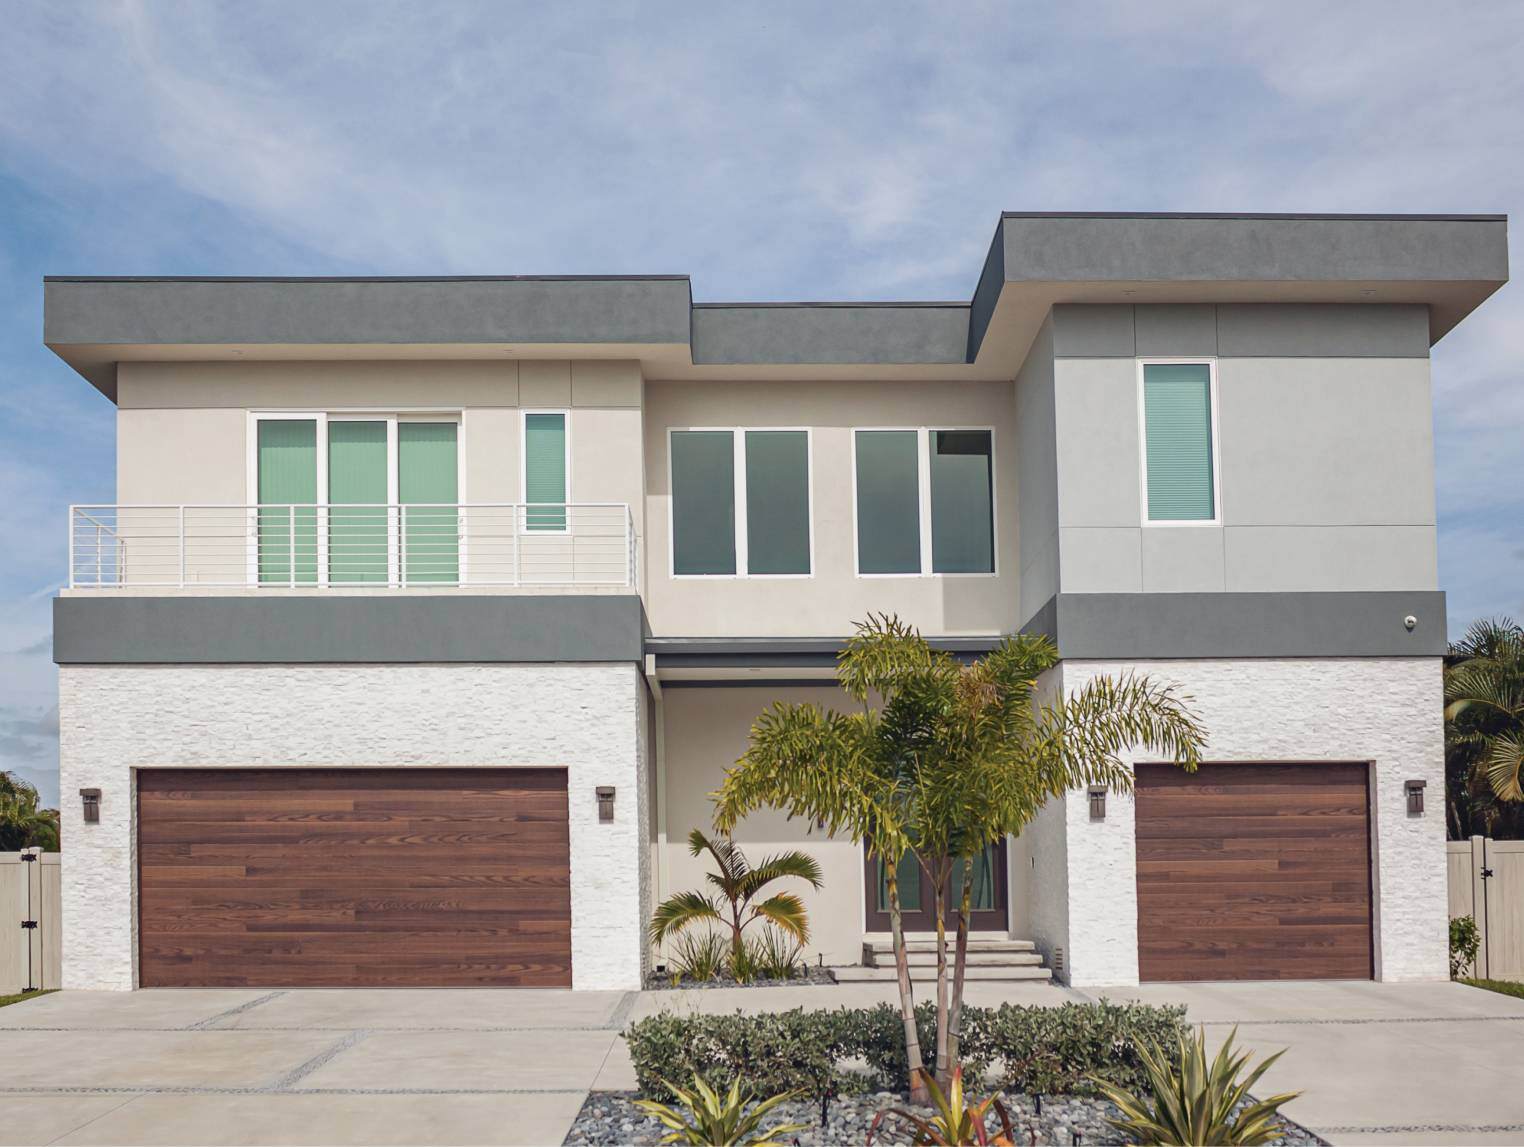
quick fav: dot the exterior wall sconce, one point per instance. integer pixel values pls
(605, 803)
(92, 803)
(1415, 797)
(1097, 802)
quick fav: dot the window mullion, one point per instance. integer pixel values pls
(923, 493)
(743, 562)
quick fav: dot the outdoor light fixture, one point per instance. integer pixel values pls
(1097, 802)
(1415, 797)
(605, 802)
(92, 800)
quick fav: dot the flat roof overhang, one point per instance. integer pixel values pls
(1448, 263)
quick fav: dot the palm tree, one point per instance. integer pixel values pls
(22, 823)
(739, 885)
(942, 759)
(1484, 715)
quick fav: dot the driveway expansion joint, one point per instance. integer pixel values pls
(202, 1025)
(288, 1081)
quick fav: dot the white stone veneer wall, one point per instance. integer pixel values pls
(585, 718)
(1381, 710)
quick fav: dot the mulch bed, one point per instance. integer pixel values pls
(658, 982)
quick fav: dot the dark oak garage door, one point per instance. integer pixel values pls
(353, 877)
(1254, 872)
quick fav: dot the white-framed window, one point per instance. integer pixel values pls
(923, 501)
(740, 501)
(1178, 442)
(545, 477)
(355, 497)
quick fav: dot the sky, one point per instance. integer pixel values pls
(771, 151)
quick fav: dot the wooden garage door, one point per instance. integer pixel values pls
(1254, 872)
(353, 877)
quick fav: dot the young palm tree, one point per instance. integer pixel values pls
(739, 885)
(941, 760)
(22, 823)
(1484, 711)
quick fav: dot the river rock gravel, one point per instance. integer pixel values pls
(610, 1118)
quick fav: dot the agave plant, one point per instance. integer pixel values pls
(737, 907)
(1196, 1104)
(957, 1122)
(709, 1118)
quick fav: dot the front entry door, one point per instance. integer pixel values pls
(917, 906)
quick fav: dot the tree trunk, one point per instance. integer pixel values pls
(939, 875)
(918, 1090)
(960, 963)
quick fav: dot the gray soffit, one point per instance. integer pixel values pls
(412, 629)
(1446, 263)
(779, 652)
(1148, 626)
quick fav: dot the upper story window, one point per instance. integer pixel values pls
(925, 501)
(740, 502)
(546, 469)
(1178, 402)
(355, 467)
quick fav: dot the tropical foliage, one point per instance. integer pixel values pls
(735, 904)
(23, 823)
(709, 1118)
(1465, 943)
(955, 1121)
(941, 759)
(1484, 731)
(1193, 1102)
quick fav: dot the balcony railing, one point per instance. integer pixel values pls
(352, 547)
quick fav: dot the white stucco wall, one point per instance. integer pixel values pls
(585, 718)
(1386, 711)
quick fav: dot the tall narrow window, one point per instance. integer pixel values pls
(545, 471)
(358, 548)
(287, 492)
(1177, 431)
(428, 488)
(888, 502)
(777, 502)
(703, 502)
(962, 502)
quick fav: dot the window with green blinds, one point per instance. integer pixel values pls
(287, 492)
(888, 502)
(1177, 431)
(703, 502)
(777, 502)
(428, 488)
(358, 546)
(545, 471)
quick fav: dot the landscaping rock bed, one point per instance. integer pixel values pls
(660, 982)
(610, 1118)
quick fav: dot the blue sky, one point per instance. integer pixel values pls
(772, 151)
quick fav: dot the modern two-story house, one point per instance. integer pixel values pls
(432, 609)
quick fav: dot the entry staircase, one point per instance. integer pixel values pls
(987, 960)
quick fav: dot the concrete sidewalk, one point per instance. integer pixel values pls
(1420, 1063)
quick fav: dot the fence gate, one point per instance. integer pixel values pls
(30, 949)
(1486, 882)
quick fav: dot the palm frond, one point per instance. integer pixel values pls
(785, 864)
(680, 911)
(786, 912)
(1504, 761)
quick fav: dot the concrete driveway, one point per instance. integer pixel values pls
(1421, 1063)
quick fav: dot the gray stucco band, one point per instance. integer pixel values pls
(1242, 330)
(827, 333)
(780, 652)
(347, 311)
(433, 628)
(1146, 626)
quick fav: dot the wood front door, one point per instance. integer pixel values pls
(297, 877)
(1254, 872)
(917, 905)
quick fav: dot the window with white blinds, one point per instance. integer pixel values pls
(1178, 446)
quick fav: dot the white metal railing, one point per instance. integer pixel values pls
(347, 547)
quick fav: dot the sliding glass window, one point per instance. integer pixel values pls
(740, 503)
(962, 501)
(925, 501)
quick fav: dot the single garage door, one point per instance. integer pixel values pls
(301, 877)
(1254, 872)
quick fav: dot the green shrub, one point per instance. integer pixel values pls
(1032, 1049)
(1465, 942)
(698, 956)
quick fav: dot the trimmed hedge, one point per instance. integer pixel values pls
(1031, 1050)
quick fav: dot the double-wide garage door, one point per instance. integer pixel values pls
(300, 877)
(1254, 872)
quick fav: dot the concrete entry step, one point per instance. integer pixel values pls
(975, 959)
(974, 945)
(926, 973)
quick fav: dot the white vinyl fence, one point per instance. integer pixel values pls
(31, 954)
(1486, 879)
